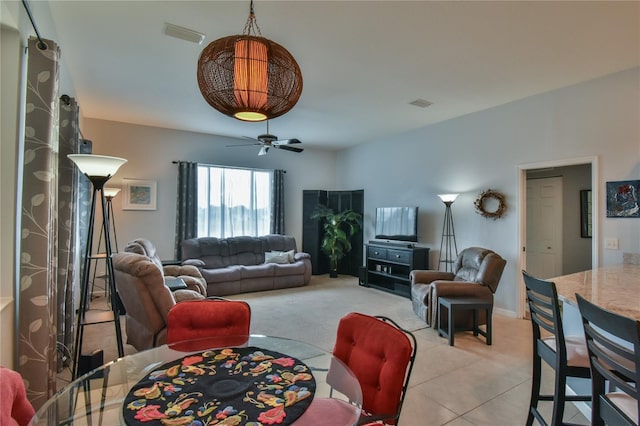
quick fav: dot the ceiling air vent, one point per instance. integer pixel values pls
(421, 103)
(183, 33)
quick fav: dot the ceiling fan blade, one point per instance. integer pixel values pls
(250, 138)
(244, 144)
(263, 150)
(287, 141)
(289, 148)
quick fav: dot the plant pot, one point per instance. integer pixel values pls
(333, 273)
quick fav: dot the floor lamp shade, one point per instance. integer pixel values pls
(97, 165)
(448, 198)
(110, 192)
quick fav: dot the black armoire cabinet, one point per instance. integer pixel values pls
(312, 231)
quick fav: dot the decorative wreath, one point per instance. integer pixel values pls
(487, 195)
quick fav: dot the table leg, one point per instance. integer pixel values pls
(475, 322)
(489, 325)
(450, 326)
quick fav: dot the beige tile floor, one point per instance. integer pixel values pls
(475, 384)
(468, 384)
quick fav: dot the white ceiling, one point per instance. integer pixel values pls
(362, 61)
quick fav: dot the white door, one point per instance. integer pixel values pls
(544, 227)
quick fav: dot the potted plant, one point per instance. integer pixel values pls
(338, 230)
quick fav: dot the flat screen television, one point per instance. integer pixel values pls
(397, 223)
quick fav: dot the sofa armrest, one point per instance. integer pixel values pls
(301, 255)
(427, 276)
(178, 270)
(194, 262)
(190, 275)
(460, 289)
(181, 295)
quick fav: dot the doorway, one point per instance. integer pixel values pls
(545, 225)
(558, 246)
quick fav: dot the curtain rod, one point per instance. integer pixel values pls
(227, 167)
(41, 44)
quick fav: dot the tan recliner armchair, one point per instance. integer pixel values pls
(476, 273)
(188, 273)
(146, 298)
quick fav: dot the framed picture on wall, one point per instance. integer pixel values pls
(623, 198)
(139, 194)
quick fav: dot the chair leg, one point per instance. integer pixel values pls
(535, 388)
(597, 387)
(559, 396)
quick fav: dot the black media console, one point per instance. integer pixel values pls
(389, 264)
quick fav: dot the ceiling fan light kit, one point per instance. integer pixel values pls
(267, 140)
(249, 77)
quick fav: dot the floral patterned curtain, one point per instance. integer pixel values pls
(68, 212)
(37, 300)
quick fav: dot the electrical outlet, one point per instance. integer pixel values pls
(611, 243)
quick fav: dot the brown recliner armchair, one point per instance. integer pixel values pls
(189, 274)
(476, 273)
(146, 298)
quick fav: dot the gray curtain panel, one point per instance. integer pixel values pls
(186, 205)
(67, 202)
(277, 207)
(37, 304)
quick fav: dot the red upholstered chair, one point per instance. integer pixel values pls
(381, 355)
(198, 324)
(15, 408)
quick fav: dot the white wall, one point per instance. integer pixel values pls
(483, 150)
(150, 151)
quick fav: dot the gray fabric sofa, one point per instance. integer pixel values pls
(237, 264)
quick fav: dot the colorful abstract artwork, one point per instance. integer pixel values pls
(622, 198)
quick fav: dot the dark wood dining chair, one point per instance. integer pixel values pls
(613, 343)
(567, 355)
(381, 355)
(214, 322)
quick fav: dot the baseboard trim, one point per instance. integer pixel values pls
(505, 312)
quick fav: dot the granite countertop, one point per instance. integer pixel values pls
(615, 288)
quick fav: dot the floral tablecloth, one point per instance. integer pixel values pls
(231, 386)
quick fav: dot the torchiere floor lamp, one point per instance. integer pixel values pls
(448, 243)
(99, 169)
(109, 194)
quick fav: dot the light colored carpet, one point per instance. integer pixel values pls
(311, 313)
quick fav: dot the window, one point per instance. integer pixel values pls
(233, 201)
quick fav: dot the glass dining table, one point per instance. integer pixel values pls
(223, 381)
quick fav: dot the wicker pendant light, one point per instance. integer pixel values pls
(249, 77)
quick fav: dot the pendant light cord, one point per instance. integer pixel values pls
(251, 27)
(41, 44)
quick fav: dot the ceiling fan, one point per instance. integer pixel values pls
(267, 141)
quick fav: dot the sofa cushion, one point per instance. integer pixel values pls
(257, 271)
(277, 257)
(220, 275)
(297, 268)
(279, 242)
